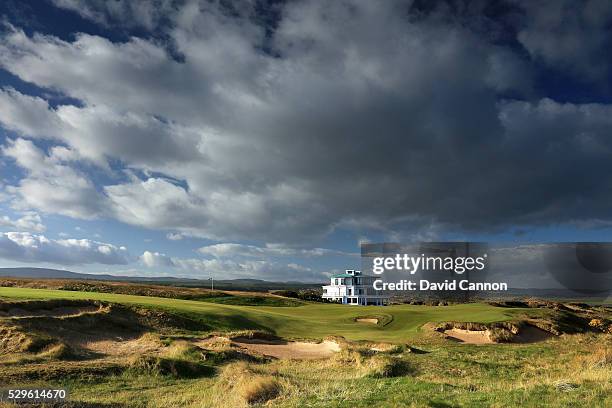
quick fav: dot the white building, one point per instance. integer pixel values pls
(353, 288)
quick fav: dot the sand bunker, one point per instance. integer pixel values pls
(469, 336)
(296, 350)
(292, 350)
(367, 320)
(527, 334)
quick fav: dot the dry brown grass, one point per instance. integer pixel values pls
(260, 389)
(243, 384)
(58, 351)
(600, 357)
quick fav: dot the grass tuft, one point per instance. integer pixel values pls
(59, 351)
(161, 366)
(179, 360)
(260, 389)
(36, 343)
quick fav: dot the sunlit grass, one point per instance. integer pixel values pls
(570, 370)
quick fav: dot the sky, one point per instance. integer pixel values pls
(268, 139)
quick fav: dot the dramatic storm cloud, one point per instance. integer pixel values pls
(283, 124)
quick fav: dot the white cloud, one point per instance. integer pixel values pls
(231, 250)
(230, 268)
(155, 260)
(96, 133)
(50, 186)
(241, 129)
(28, 115)
(128, 13)
(174, 236)
(249, 269)
(27, 247)
(28, 222)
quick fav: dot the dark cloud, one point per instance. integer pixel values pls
(570, 35)
(338, 114)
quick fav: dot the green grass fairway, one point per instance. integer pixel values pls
(313, 320)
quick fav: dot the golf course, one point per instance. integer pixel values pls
(310, 320)
(233, 349)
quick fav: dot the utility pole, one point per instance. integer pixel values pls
(212, 283)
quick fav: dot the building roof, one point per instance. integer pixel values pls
(343, 275)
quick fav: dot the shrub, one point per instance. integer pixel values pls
(286, 293)
(182, 350)
(384, 367)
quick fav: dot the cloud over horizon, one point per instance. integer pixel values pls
(30, 248)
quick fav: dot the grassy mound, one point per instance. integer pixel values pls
(260, 389)
(242, 383)
(108, 318)
(14, 339)
(180, 360)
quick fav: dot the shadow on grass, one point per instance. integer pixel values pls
(232, 322)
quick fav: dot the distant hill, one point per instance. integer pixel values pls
(227, 284)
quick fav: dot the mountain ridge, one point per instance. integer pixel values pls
(246, 283)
